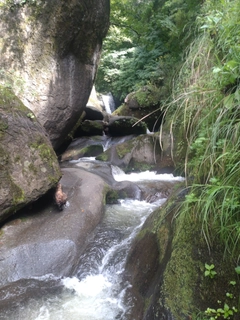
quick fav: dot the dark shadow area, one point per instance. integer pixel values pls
(34, 208)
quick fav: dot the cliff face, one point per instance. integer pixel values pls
(49, 56)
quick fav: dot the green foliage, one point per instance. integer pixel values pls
(209, 271)
(237, 269)
(226, 311)
(31, 116)
(206, 101)
(144, 43)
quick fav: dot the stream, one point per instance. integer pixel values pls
(97, 291)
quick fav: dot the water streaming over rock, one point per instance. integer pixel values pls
(108, 102)
(97, 291)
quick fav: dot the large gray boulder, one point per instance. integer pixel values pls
(49, 55)
(28, 163)
(47, 241)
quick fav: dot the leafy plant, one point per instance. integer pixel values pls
(210, 272)
(31, 115)
(226, 312)
(237, 269)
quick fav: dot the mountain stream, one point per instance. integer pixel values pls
(97, 291)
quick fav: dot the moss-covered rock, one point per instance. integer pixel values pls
(84, 147)
(180, 290)
(123, 126)
(28, 164)
(76, 153)
(144, 103)
(89, 128)
(49, 56)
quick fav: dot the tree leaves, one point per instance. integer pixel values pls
(144, 42)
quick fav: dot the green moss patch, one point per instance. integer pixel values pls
(112, 197)
(124, 148)
(105, 156)
(138, 166)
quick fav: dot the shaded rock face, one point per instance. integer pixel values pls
(84, 147)
(119, 126)
(151, 250)
(52, 49)
(93, 114)
(89, 128)
(148, 265)
(28, 164)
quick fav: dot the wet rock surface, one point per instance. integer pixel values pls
(140, 154)
(44, 240)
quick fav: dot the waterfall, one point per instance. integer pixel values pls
(108, 102)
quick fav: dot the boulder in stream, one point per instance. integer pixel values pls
(89, 128)
(119, 126)
(43, 240)
(144, 103)
(28, 163)
(84, 147)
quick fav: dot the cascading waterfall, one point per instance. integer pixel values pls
(108, 102)
(97, 291)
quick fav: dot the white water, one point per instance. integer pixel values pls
(108, 102)
(97, 292)
(120, 175)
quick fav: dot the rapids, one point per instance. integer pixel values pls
(97, 291)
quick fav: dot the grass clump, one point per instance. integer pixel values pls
(206, 101)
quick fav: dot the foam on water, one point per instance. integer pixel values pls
(120, 175)
(89, 299)
(91, 286)
(97, 293)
